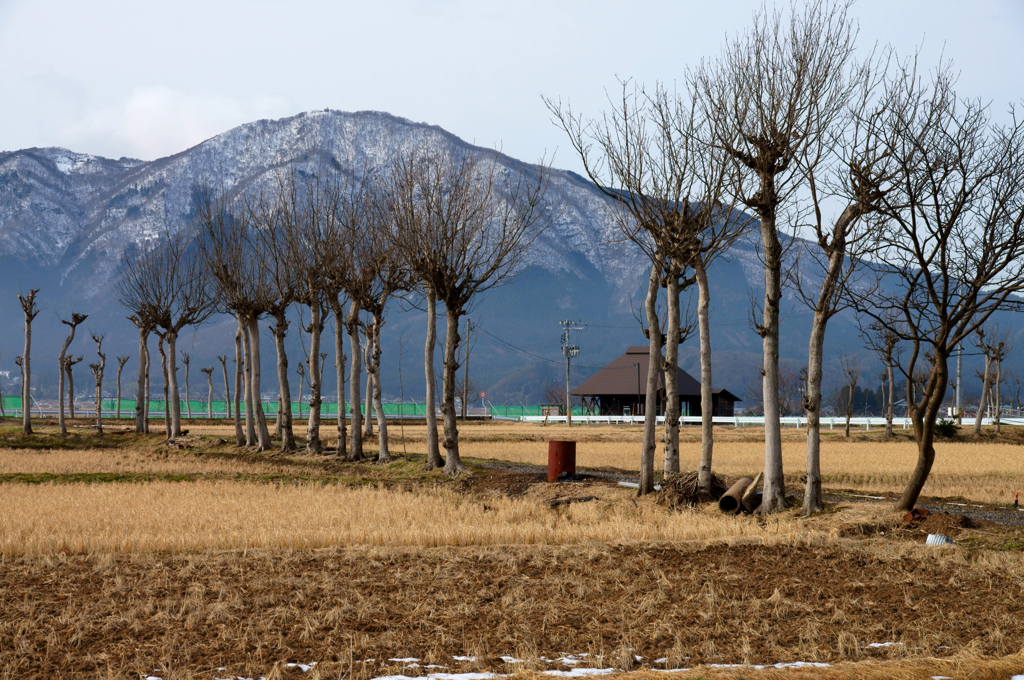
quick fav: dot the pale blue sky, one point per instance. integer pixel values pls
(129, 78)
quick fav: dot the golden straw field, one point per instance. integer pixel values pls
(175, 517)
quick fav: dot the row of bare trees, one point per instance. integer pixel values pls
(912, 196)
(436, 222)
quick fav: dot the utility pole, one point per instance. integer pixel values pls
(569, 351)
(465, 372)
(959, 399)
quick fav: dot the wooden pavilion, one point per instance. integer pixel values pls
(620, 388)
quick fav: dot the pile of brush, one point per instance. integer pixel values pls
(682, 490)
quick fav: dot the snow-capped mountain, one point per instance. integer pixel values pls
(73, 214)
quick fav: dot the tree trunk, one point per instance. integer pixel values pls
(284, 399)
(98, 373)
(117, 409)
(434, 460)
(60, 381)
(239, 379)
(209, 395)
(250, 422)
(465, 379)
(167, 391)
(352, 325)
(998, 397)
(316, 327)
(671, 371)
(227, 388)
(654, 365)
(339, 370)
(983, 402)
(368, 417)
(149, 363)
(923, 418)
(849, 409)
(812, 404)
(453, 463)
(774, 496)
(257, 395)
(707, 436)
(71, 391)
(188, 396)
(892, 397)
(172, 376)
(26, 384)
(384, 454)
(140, 391)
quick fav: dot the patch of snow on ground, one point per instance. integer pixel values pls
(580, 672)
(459, 658)
(411, 659)
(304, 667)
(512, 659)
(442, 676)
(883, 644)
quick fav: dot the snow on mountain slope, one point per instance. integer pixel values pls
(75, 213)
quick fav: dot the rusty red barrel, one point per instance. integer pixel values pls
(561, 459)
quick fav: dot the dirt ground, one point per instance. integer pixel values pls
(743, 604)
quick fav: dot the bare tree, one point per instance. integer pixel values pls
(305, 219)
(993, 342)
(302, 383)
(223, 358)
(849, 364)
(28, 306)
(97, 373)
(654, 161)
(188, 400)
(69, 363)
(169, 283)
(237, 258)
(209, 396)
(952, 243)
(408, 187)
(72, 323)
(239, 379)
(145, 325)
(884, 339)
(482, 218)
(772, 98)
(121, 361)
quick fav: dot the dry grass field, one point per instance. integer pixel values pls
(123, 557)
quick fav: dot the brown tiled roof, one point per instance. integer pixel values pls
(620, 377)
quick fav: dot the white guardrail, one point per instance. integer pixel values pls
(831, 422)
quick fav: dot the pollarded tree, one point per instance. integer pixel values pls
(223, 358)
(169, 281)
(993, 343)
(303, 211)
(73, 324)
(369, 222)
(234, 253)
(121, 361)
(482, 218)
(28, 306)
(97, 373)
(950, 252)
(407, 187)
(69, 364)
(208, 372)
(653, 158)
(146, 325)
(775, 92)
(186, 359)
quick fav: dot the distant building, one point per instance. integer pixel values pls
(620, 388)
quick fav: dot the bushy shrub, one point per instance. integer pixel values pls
(946, 428)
